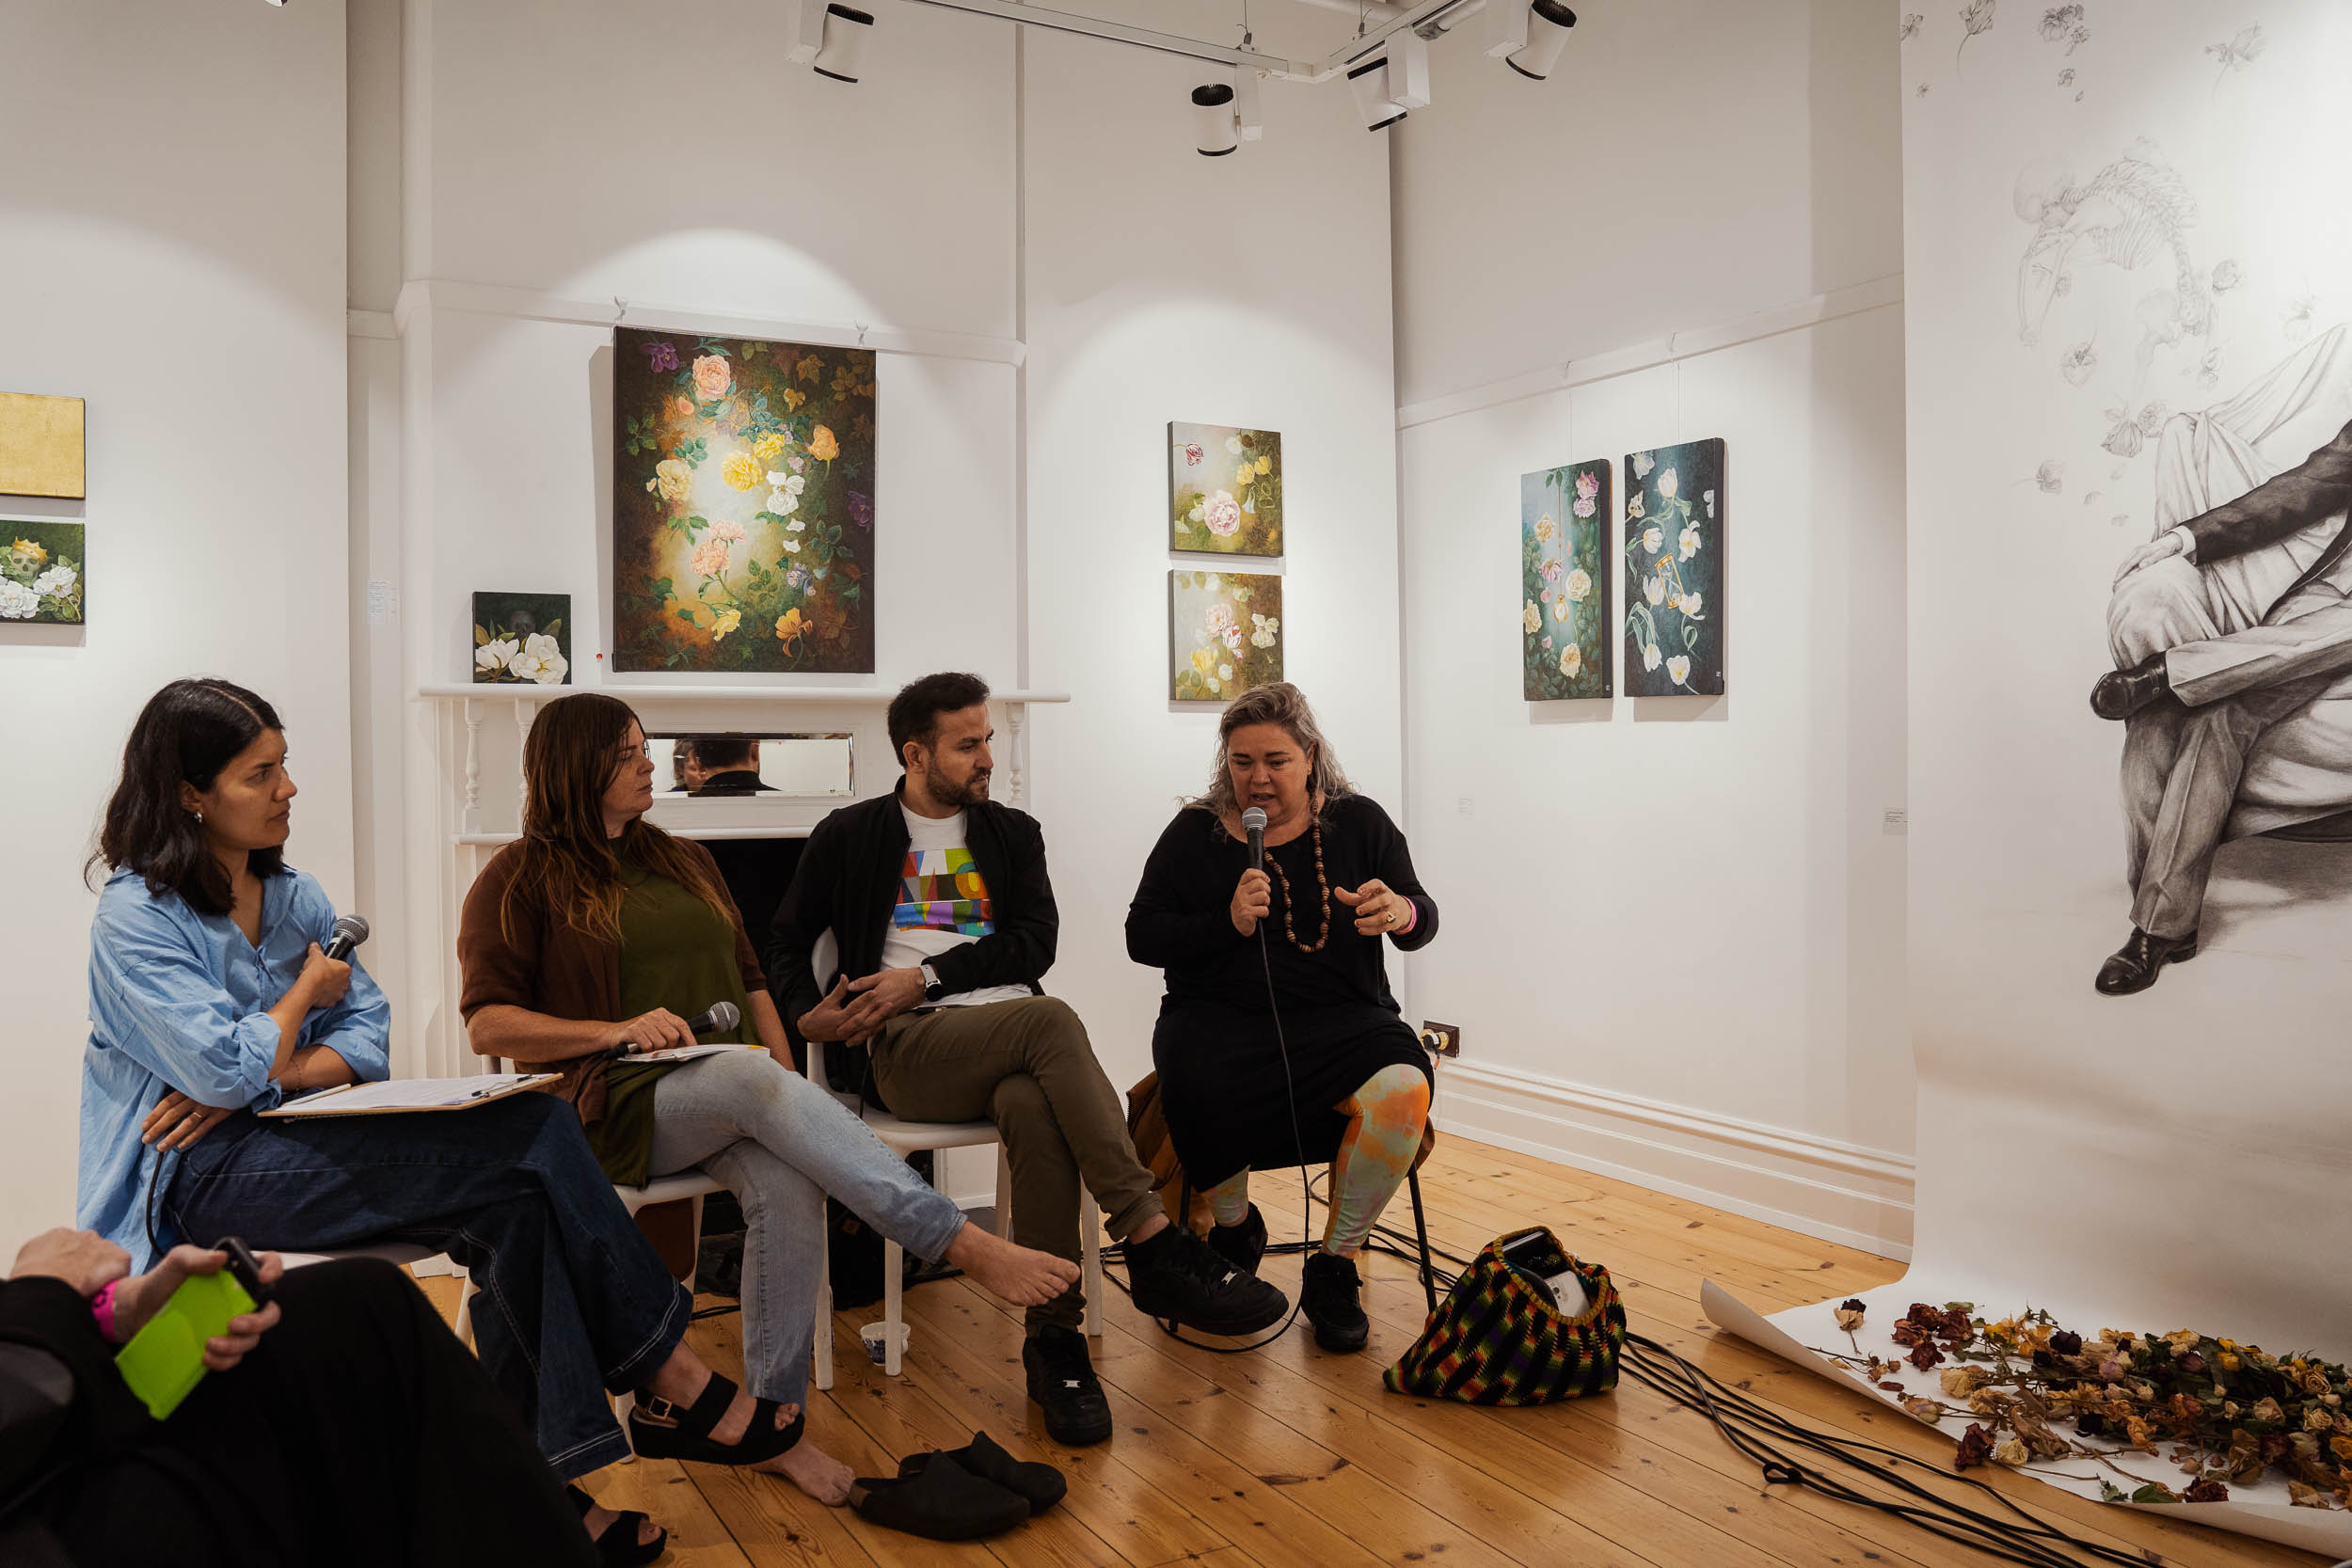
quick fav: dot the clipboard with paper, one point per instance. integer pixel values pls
(405, 1096)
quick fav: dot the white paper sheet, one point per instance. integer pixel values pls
(408, 1094)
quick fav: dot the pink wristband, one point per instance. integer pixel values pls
(102, 1307)
(1411, 919)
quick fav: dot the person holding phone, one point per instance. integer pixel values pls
(340, 1422)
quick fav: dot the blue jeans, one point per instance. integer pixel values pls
(780, 1144)
(574, 1300)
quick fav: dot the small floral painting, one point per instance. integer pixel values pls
(1225, 489)
(1564, 629)
(1224, 634)
(522, 640)
(743, 504)
(41, 572)
(1674, 511)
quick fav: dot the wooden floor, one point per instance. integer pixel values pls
(1295, 1458)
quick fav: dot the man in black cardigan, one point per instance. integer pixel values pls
(938, 901)
(2197, 706)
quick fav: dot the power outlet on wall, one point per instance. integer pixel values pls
(1443, 1039)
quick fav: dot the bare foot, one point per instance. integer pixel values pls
(737, 1420)
(600, 1519)
(1018, 1274)
(814, 1471)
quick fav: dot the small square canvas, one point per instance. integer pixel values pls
(42, 445)
(522, 639)
(42, 572)
(1675, 507)
(1225, 489)
(1224, 634)
(1566, 631)
(742, 505)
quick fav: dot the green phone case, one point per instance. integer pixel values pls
(165, 1361)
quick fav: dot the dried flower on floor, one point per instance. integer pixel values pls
(1976, 1447)
(1850, 1314)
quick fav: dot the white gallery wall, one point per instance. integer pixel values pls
(1674, 929)
(1248, 290)
(175, 259)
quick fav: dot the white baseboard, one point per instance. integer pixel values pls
(1839, 1192)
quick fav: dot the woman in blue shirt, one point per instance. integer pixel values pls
(211, 1000)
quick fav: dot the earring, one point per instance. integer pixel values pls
(200, 818)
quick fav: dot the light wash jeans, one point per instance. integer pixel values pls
(780, 1144)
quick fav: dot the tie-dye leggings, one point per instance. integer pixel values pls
(1385, 1119)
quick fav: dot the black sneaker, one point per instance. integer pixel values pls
(1328, 1292)
(1061, 1379)
(1179, 1277)
(1240, 1244)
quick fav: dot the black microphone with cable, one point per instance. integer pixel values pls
(350, 931)
(1253, 823)
(717, 1018)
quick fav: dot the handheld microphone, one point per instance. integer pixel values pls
(717, 1018)
(350, 931)
(1253, 822)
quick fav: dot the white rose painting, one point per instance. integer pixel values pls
(1224, 634)
(1566, 631)
(522, 640)
(42, 567)
(1225, 489)
(1673, 565)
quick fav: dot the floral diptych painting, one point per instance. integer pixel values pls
(1225, 634)
(1565, 629)
(743, 504)
(1225, 489)
(41, 572)
(522, 639)
(1675, 512)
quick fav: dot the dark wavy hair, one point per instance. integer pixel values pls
(568, 865)
(914, 712)
(187, 734)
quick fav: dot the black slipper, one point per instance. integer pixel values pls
(943, 1501)
(1041, 1484)
(660, 1430)
(618, 1546)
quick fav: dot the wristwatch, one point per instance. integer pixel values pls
(932, 988)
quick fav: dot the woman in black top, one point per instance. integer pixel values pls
(1234, 941)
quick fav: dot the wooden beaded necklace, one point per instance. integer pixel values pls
(1323, 887)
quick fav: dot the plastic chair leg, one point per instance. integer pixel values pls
(1003, 1193)
(894, 1290)
(824, 1330)
(1091, 1251)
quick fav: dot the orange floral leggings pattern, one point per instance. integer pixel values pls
(1384, 1120)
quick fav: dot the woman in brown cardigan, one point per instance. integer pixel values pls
(596, 935)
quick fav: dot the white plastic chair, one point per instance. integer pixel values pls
(693, 1183)
(406, 1254)
(902, 1138)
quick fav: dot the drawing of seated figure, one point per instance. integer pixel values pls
(2231, 635)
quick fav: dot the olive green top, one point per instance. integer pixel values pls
(676, 951)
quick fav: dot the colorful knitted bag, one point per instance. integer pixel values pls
(1495, 1340)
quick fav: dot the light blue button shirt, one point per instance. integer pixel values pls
(180, 999)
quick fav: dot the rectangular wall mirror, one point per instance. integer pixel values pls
(715, 765)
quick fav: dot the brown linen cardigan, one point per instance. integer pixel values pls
(545, 966)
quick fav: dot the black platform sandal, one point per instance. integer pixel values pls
(660, 1430)
(618, 1546)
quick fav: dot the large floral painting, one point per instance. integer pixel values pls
(1675, 510)
(1225, 489)
(1566, 630)
(743, 504)
(1224, 634)
(41, 572)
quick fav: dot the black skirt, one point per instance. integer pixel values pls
(1226, 1096)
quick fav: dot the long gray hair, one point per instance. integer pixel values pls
(1285, 705)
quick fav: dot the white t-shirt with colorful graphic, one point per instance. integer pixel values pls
(942, 904)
